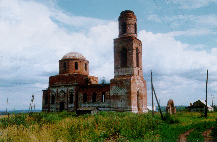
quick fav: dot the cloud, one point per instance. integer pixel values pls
(179, 73)
(32, 43)
(166, 55)
(193, 4)
(76, 21)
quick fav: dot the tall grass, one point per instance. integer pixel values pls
(124, 126)
(66, 126)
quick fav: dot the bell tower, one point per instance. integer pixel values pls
(128, 86)
(127, 48)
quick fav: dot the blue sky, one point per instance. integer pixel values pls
(179, 45)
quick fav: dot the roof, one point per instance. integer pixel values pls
(204, 102)
(200, 103)
(74, 55)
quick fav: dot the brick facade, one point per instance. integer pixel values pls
(74, 89)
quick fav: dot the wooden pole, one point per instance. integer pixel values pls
(152, 95)
(158, 104)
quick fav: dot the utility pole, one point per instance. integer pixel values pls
(158, 104)
(206, 95)
(213, 107)
(152, 95)
(212, 99)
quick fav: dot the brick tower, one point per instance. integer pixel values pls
(128, 88)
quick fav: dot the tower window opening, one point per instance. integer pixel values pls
(135, 28)
(103, 96)
(124, 57)
(76, 65)
(85, 66)
(124, 28)
(137, 57)
(84, 98)
(94, 97)
(64, 66)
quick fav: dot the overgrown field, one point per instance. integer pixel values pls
(126, 126)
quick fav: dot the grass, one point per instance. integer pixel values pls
(124, 126)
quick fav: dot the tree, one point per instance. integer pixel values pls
(87, 81)
(31, 104)
(103, 80)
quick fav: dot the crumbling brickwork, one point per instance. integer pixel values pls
(131, 94)
(73, 89)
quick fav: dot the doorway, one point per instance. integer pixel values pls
(138, 101)
(61, 106)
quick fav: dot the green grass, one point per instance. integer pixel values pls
(125, 126)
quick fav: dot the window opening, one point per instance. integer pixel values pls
(85, 66)
(135, 26)
(52, 99)
(71, 94)
(94, 97)
(103, 96)
(124, 57)
(64, 66)
(124, 28)
(76, 65)
(84, 97)
(46, 99)
(137, 57)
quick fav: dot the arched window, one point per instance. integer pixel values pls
(71, 94)
(137, 57)
(84, 97)
(85, 66)
(124, 57)
(76, 65)
(135, 27)
(124, 28)
(103, 96)
(64, 66)
(94, 97)
(52, 99)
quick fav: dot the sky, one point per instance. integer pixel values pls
(179, 45)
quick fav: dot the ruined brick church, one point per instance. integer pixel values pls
(73, 89)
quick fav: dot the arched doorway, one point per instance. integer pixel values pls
(138, 101)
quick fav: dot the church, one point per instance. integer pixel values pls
(74, 89)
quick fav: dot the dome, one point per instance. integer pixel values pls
(74, 55)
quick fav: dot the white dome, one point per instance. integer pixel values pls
(74, 55)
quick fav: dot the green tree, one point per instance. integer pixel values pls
(103, 80)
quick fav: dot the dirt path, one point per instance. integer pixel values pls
(205, 134)
(183, 137)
